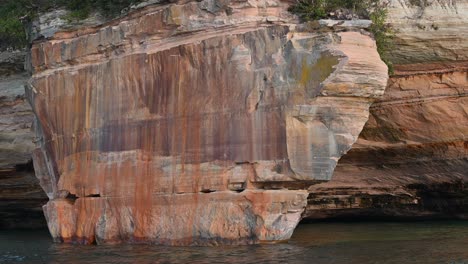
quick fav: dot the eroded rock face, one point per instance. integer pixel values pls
(21, 197)
(195, 123)
(411, 160)
(429, 30)
(16, 115)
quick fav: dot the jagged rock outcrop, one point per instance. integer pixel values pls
(195, 123)
(21, 197)
(411, 160)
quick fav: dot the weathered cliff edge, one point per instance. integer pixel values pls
(195, 123)
(411, 160)
(21, 197)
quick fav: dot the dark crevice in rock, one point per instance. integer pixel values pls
(93, 195)
(237, 187)
(241, 162)
(207, 191)
(289, 185)
(71, 197)
(260, 99)
(25, 166)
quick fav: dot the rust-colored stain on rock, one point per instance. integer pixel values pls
(210, 136)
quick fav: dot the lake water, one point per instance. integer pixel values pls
(414, 242)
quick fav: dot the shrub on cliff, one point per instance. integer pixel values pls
(374, 10)
(12, 33)
(383, 35)
(317, 9)
(308, 10)
(80, 9)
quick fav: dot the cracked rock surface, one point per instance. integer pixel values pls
(185, 124)
(411, 159)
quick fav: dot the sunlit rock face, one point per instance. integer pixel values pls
(195, 123)
(411, 160)
(429, 30)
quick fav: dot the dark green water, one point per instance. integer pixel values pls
(416, 242)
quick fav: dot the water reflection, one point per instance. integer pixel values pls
(429, 242)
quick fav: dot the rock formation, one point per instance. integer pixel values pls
(21, 197)
(411, 160)
(194, 123)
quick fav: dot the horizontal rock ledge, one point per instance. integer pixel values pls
(249, 217)
(180, 125)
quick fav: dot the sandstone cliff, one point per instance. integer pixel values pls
(411, 160)
(194, 123)
(21, 197)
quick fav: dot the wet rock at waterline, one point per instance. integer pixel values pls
(182, 125)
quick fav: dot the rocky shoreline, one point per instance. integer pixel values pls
(410, 161)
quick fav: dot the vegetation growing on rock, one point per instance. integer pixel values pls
(12, 12)
(318, 9)
(383, 35)
(374, 10)
(80, 9)
(12, 33)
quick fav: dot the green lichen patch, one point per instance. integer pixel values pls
(309, 10)
(313, 75)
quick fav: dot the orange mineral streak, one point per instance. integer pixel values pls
(168, 127)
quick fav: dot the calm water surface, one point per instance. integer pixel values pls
(421, 242)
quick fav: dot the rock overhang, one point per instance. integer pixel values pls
(137, 112)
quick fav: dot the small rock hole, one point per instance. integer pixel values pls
(240, 190)
(71, 197)
(93, 195)
(207, 191)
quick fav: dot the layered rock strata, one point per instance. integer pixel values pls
(429, 30)
(411, 160)
(21, 197)
(195, 123)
